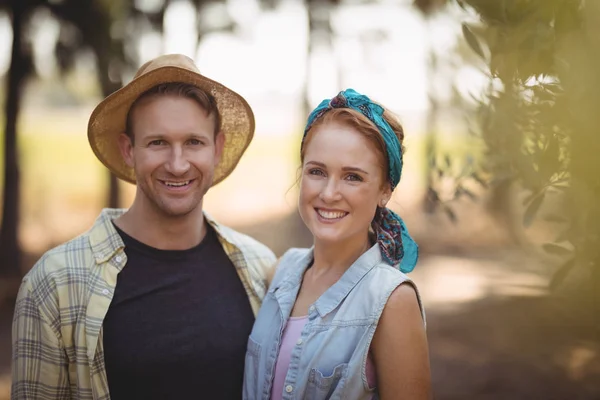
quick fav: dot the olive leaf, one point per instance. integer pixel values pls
(472, 40)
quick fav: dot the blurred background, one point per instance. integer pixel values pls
(500, 100)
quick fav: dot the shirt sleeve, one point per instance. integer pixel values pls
(39, 360)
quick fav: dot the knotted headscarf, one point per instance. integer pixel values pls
(395, 243)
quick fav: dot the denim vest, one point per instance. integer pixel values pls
(329, 359)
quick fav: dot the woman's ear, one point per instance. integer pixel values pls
(386, 195)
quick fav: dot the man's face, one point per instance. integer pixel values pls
(174, 153)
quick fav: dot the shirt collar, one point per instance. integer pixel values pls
(217, 227)
(104, 238)
(333, 296)
(106, 241)
(223, 232)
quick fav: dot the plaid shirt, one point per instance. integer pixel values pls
(62, 302)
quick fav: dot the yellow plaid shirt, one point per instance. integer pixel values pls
(62, 302)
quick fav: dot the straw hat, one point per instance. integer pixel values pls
(108, 120)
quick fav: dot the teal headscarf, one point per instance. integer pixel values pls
(396, 244)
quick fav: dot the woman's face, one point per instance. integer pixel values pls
(342, 184)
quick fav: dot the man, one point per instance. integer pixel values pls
(157, 301)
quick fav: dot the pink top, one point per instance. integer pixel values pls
(291, 334)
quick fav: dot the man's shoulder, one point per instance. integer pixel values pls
(250, 247)
(61, 262)
(78, 254)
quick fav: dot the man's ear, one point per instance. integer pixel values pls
(126, 148)
(219, 145)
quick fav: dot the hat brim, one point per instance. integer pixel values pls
(108, 120)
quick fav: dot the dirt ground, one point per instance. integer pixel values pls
(513, 349)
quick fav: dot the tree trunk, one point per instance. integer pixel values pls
(113, 191)
(431, 202)
(306, 107)
(319, 26)
(10, 251)
(104, 51)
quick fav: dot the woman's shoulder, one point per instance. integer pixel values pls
(400, 287)
(383, 279)
(383, 270)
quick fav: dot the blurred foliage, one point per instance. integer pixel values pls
(111, 31)
(450, 174)
(539, 115)
(84, 25)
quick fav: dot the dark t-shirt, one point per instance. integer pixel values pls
(178, 324)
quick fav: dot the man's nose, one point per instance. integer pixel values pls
(178, 163)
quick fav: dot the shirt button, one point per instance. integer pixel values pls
(289, 388)
(118, 259)
(311, 308)
(105, 292)
(299, 342)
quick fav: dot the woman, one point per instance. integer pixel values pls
(340, 321)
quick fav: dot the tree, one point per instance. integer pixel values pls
(93, 20)
(445, 99)
(539, 120)
(319, 33)
(20, 66)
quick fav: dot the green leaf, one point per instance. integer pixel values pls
(532, 209)
(566, 234)
(466, 192)
(472, 40)
(555, 218)
(527, 199)
(561, 181)
(432, 161)
(479, 180)
(450, 213)
(553, 248)
(549, 162)
(526, 171)
(561, 273)
(432, 197)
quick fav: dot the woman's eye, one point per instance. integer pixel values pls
(354, 178)
(316, 171)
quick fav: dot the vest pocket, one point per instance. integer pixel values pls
(322, 387)
(251, 369)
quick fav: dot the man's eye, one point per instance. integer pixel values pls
(195, 142)
(158, 142)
